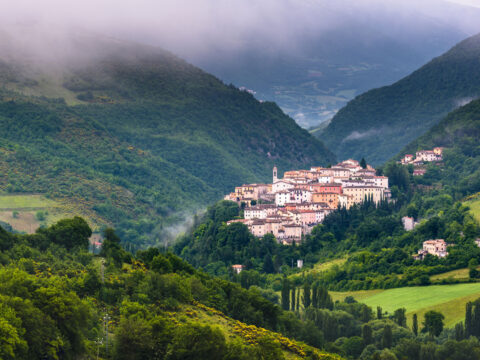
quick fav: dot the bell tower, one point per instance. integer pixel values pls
(275, 177)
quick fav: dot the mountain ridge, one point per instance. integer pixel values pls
(378, 123)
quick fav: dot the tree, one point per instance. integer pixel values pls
(363, 163)
(315, 295)
(70, 233)
(459, 332)
(468, 320)
(285, 294)
(379, 312)
(367, 334)
(268, 266)
(268, 349)
(476, 319)
(399, 317)
(415, 324)
(292, 301)
(298, 299)
(306, 294)
(195, 341)
(397, 175)
(387, 337)
(433, 323)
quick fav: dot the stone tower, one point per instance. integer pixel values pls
(275, 177)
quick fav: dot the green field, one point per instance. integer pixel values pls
(474, 205)
(320, 267)
(459, 274)
(28, 202)
(448, 299)
(22, 212)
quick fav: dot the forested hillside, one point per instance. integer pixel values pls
(458, 133)
(134, 134)
(58, 301)
(380, 122)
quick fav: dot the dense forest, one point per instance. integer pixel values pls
(57, 300)
(380, 122)
(136, 137)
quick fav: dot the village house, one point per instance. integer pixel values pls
(407, 159)
(237, 268)
(419, 172)
(408, 223)
(426, 155)
(282, 185)
(360, 193)
(437, 247)
(260, 211)
(329, 198)
(423, 156)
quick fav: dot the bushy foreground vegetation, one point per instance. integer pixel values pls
(59, 301)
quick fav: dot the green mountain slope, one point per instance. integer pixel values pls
(378, 123)
(136, 134)
(459, 133)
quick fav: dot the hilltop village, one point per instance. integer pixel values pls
(421, 158)
(291, 206)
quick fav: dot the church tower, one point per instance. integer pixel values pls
(275, 177)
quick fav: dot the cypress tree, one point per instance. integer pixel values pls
(468, 320)
(298, 299)
(315, 295)
(415, 324)
(379, 312)
(399, 317)
(306, 295)
(367, 334)
(268, 266)
(459, 332)
(476, 320)
(363, 163)
(387, 337)
(285, 294)
(293, 300)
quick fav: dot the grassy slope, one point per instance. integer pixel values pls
(381, 121)
(448, 299)
(26, 208)
(248, 334)
(474, 205)
(149, 136)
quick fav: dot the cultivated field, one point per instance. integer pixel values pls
(448, 299)
(26, 213)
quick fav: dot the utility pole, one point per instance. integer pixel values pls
(99, 342)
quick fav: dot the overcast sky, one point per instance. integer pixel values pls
(189, 27)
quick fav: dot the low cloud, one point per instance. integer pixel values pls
(464, 101)
(356, 135)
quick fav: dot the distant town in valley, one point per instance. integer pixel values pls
(291, 206)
